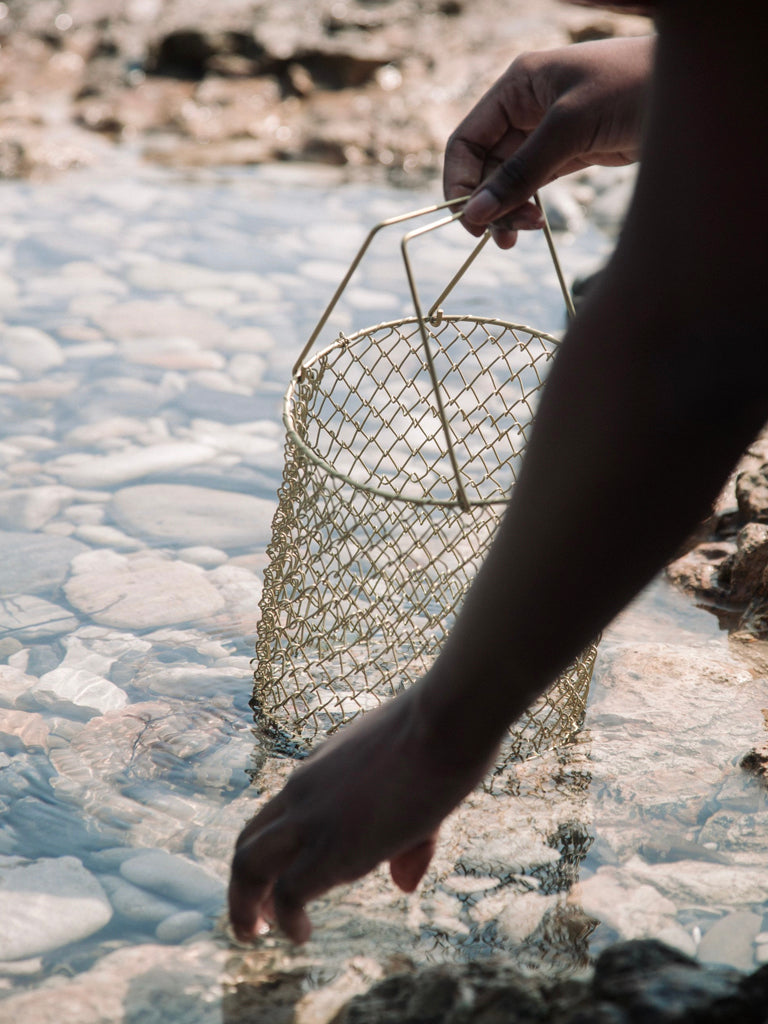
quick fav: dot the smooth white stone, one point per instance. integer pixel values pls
(8, 291)
(142, 590)
(234, 439)
(35, 563)
(115, 427)
(730, 940)
(172, 354)
(207, 557)
(67, 690)
(159, 319)
(193, 680)
(29, 508)
(22, 968)
(21, 730)
(180, 926)
(88, 514)
(118, 468)
(634, 911)
(107, 537)
(212, 298)
(248, 339)
(172, 876)
(247, 368)
(47, 904)
(29, 350)
(14, 683)
(701, 882)
(136, 903)
(32, 618)
(240, 588)
(194, 515)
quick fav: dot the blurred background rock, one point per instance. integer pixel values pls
(356, 83)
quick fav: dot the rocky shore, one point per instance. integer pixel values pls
(358, 83)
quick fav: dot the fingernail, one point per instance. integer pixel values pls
(482, 208)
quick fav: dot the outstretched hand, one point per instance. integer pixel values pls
(376, 792)
(549, 114)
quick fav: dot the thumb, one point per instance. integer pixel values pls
(407, 868)
(538, 160)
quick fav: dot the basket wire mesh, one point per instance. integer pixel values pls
(403, 440)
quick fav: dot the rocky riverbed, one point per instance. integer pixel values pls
(149, 318)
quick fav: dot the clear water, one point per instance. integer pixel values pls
(140, 453)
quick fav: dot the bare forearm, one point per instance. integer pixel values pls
(637, 429)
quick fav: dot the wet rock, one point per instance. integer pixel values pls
(148, 982)
(76, 691)
(35, 563)
(730, 941)
(180, 926)
(30, 350)
(20, 730)
(134, 903)
(47, 904)
(193, 515)
(141, 590)
(33, 618)
(133, 464)
(29, 508)
(172, 877)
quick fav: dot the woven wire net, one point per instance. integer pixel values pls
(371, 552)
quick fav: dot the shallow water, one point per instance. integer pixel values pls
(149, 325)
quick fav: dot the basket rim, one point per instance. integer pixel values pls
(344, 340)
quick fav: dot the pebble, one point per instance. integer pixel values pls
(173, 877)
(135, 903)
(180, 926)
(29, 350)
(203, 555)
(75, 691)
(193, 515)
(47, 904)
(31, 618)
(730, 941)
(29, 508)
(140, 590)
(21, 730)
(117, 469)
(35, 563)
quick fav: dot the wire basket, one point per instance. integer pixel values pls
(403, 442)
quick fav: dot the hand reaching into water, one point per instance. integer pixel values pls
(376, 792)
(549, 114)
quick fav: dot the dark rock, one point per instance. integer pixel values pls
(743, 572)
(639, 982)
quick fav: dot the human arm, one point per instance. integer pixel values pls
(549, 114)
(638, 427)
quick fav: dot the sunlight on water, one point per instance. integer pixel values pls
(148, 330)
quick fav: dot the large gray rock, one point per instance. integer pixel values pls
(176, 513)
(140, 591)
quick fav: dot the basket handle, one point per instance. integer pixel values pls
(434, 310)
(434, 313)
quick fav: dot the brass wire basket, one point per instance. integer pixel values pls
(403, 441)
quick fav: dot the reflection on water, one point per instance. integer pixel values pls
(148, 328)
